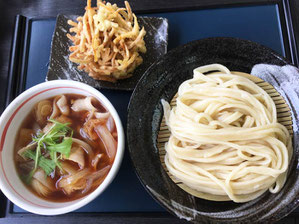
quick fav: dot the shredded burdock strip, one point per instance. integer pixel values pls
(107, 41)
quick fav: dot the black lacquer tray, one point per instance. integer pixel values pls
(268, 22)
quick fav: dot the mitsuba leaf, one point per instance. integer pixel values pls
(64, 147)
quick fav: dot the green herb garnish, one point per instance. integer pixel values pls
(64, 147)
(58, 139)
(46, 164)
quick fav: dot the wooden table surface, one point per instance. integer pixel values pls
(50, 8)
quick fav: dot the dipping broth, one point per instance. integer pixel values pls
(65, 147)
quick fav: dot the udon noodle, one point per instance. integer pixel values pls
(226, 143)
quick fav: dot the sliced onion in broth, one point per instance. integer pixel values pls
(107, 139)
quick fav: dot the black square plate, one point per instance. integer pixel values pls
(61, 67)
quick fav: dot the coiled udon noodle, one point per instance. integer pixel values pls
(226, 143)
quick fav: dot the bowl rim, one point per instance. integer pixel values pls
(27, 96)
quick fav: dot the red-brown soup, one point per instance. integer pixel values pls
(65, 147)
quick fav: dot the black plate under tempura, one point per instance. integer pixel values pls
(61, 67)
